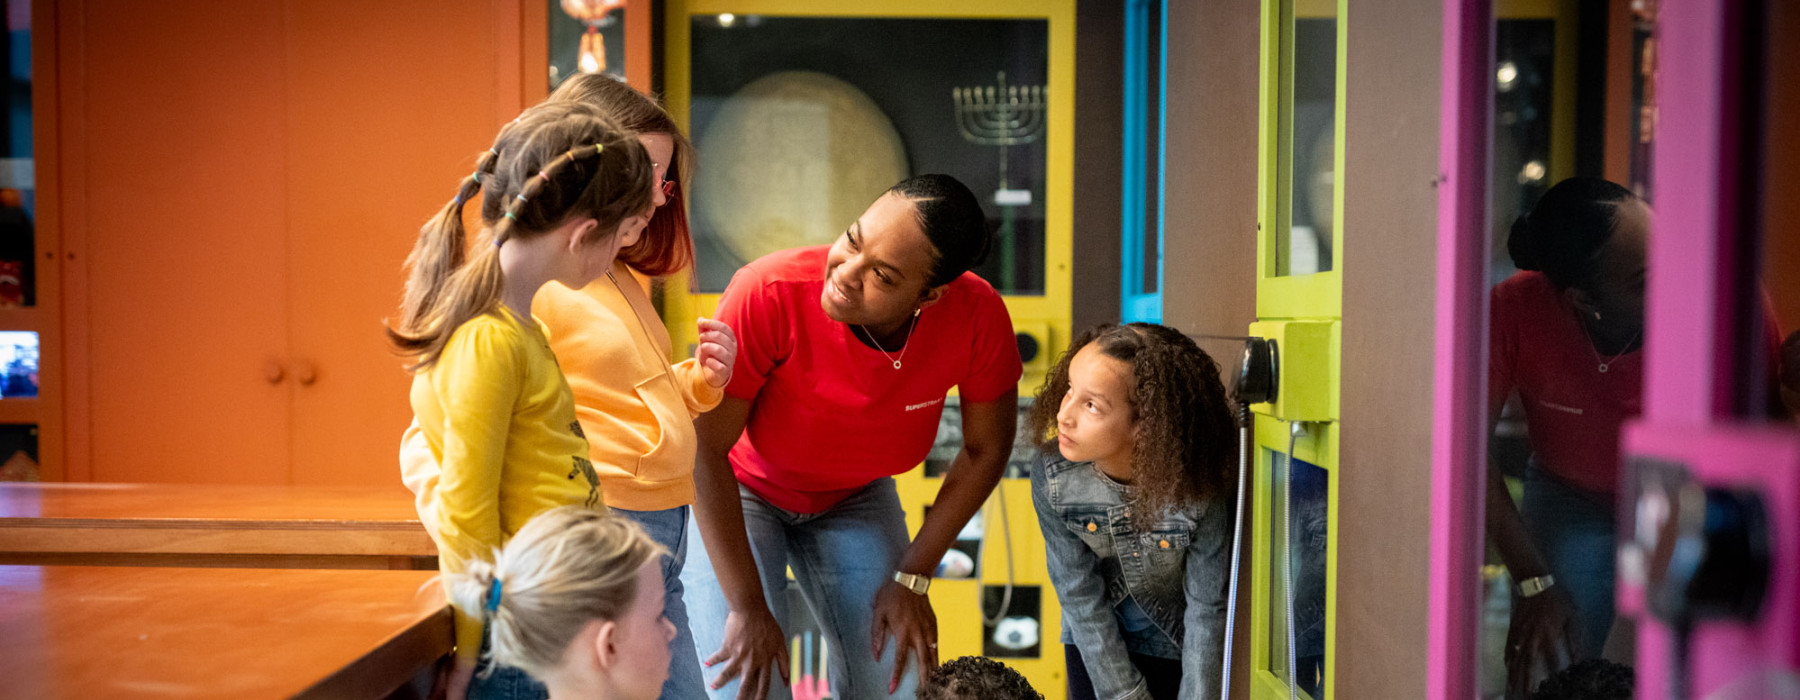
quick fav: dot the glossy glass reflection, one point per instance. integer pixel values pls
(591, 45)
(806, 120)
(18, 172)
(1299, 533)
(1312, 174)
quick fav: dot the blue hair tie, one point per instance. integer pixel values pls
(493, 599)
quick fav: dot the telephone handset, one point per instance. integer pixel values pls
(1255, 383)
(1256, 380)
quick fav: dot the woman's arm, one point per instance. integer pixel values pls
(1542, 630)
(1075, 572)
(753, 638)
(988, 430)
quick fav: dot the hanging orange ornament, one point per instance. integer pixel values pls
(593, 14)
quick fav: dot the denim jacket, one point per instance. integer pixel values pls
(1173, 572)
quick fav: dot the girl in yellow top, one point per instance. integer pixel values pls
(567, 188)
(636, 408)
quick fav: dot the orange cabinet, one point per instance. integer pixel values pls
(239, 185)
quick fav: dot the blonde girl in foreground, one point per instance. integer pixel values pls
(576, 601)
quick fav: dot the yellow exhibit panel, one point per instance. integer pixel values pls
(804, 112)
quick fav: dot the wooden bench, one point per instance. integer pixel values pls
(196, 633)
(212, 526)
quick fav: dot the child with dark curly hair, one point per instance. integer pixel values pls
(1130, 497)
(977, 678)
(1593, 679)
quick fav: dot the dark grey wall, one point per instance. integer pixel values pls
(1210, 254)
(1099, 127)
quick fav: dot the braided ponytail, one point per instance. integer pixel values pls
(555, 163)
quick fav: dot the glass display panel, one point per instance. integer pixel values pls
(1524, 73)
(1153, 205)
(598, 42)
(19, 453)
(1019, 632)
(805, 121)
(949, 442)
(1307, 487)
(19, 362)
(1643, 93)
(18, 191)
(1312, 170)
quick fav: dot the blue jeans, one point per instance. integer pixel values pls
(840, 558)
(494, 682)
(1576, 536)
(670, 529)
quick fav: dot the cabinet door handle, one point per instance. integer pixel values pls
(274, 372)
(306, 373)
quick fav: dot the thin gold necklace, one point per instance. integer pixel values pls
(904, 342)
(1606, 363)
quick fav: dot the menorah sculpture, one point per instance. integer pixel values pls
(1002, 115)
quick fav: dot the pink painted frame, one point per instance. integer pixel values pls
(1698, 183)
(1459, 431)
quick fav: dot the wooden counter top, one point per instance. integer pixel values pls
(211, 525)
(144, 632)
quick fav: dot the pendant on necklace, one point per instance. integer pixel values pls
(1603, 369)
(897, 365)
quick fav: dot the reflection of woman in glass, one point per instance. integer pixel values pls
(845, 355)
(1566, 336)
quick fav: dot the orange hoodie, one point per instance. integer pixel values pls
(637, 410)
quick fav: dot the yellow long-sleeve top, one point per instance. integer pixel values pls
(494, 442)
(637, 410)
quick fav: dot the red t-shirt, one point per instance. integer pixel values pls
(1573, 411)
(829, 414)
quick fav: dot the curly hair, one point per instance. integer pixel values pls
(977, 678)
(1593, 679)
(1185, 436)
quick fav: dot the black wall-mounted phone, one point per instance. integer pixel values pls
(1256, 381)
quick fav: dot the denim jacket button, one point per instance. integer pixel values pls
(1165, 544)
(1092, 527)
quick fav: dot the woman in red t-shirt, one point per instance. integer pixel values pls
(1566, 336)
(845, 355)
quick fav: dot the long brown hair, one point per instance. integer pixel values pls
(1185, 438)
(667, 245)
(555, 163)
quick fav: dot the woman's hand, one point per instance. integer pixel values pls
(753, 641)
(716, 352)
(907, 617)
(1542, 637)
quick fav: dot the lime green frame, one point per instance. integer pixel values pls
(1316, 297)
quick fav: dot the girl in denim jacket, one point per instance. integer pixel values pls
(1136, 522)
